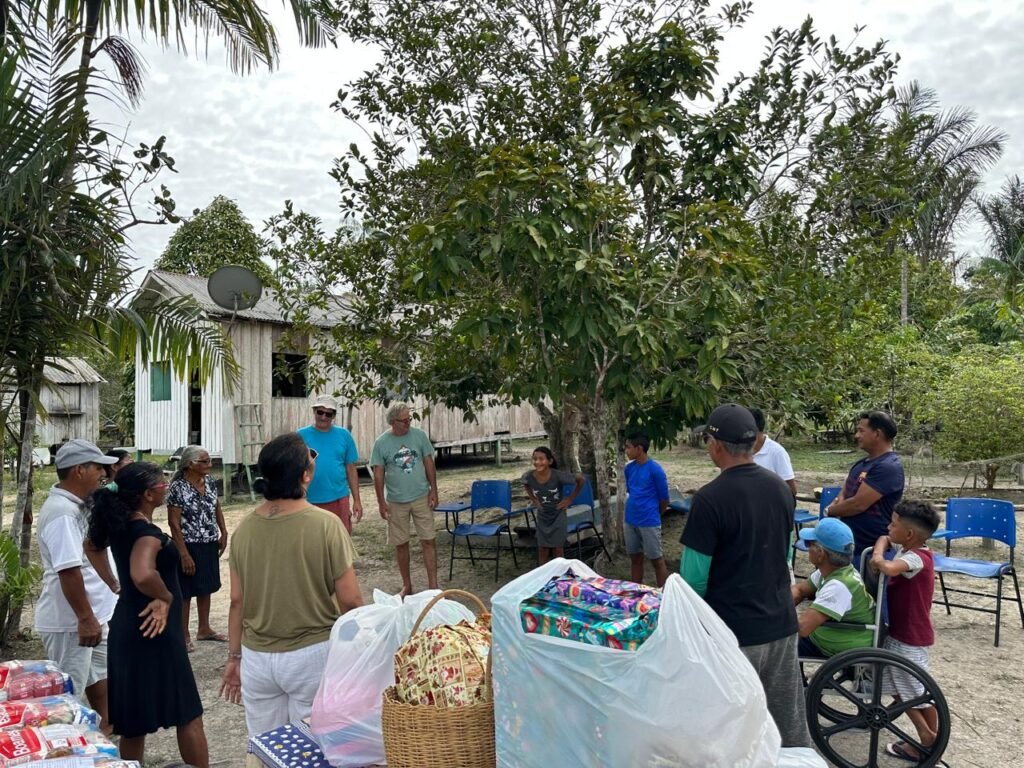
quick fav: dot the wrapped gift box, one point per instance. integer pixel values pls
(570, 619)
(290, 746)
(627, 596)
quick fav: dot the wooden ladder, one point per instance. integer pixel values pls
(249, 437)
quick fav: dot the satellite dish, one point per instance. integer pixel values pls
(234, 288)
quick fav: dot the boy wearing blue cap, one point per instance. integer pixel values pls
(836, 590)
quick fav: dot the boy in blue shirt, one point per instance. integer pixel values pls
(647, 487)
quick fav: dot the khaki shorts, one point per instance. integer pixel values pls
(399, 515)
(85, 666)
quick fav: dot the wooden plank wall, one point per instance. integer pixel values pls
(57, 428)
(159, 427)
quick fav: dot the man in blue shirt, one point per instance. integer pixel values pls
(647, 487)
(875, 483)
(335, 485)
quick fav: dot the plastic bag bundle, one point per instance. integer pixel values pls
(360, 665)
(444, 666)
(686, 697)
(50, 710)
(800, 757)
(31, 680)
(27, 745)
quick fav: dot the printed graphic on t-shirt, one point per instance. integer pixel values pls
(406, 458)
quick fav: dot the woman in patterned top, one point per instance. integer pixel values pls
(199, 532)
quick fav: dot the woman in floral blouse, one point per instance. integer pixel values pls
(199, 532)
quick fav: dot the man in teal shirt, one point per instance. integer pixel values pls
(403, 466)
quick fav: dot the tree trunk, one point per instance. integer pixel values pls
(620, 464)
(611, 518)
(562, 426)
(588, 452)
(21, 525)
(905, 289)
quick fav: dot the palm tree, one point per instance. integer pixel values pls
(64, 270)
(950, 151)
(1003, 214)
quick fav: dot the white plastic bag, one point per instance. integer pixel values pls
(360, 665)
(687, 697)
(800, 757)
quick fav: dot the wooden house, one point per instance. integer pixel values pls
(170, 412)
(71, 399)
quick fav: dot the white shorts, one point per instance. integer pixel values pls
(85, 666)
(279, 688)
(896, 682)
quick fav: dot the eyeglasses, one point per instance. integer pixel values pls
(207, 460)
(158, 486)
(313, 454)
(325, 414)
(706, 438)
(404, 421)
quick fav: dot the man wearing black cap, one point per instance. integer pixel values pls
(736, 544)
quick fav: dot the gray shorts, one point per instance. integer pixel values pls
(645, 539)
(85, 666)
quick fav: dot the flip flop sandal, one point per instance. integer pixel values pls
(898, 750)
(216, 637)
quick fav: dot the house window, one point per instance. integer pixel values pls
(289, 377)
(159, 382)
(67, 398)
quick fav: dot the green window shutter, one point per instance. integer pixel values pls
(160, 382)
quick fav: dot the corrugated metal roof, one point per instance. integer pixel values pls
(70, 370)
(266, 309)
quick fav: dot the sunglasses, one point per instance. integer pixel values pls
(313, 454)
(326, 414)
(706, 438)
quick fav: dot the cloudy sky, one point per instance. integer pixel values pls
(268, 137)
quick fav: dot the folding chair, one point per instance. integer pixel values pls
(980, 518)
(801, 517)
(486, 495)
(585, 498)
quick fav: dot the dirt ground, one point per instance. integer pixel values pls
(981, 683)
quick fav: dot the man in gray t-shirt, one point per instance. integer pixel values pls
(403, 466)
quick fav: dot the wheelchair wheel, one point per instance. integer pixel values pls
(851, 720)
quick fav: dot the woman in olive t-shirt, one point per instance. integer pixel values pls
(292, 575)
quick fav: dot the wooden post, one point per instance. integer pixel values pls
(497, 452)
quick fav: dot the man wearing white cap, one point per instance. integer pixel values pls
(76, 601)
(335, 485)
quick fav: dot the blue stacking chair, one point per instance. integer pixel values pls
(585, 498)
(980, 518)
(801, 517)
(486, 495)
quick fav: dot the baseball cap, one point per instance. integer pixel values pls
(78, 451)
(831, 533)
(325, 402)
(731, 423)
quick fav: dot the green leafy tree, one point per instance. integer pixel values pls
(979, 407)
(216, 235)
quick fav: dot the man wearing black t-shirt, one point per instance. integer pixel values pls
(736, 544)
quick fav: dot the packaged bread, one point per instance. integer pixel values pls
(32, 680)
(27, 745)
(49, 710)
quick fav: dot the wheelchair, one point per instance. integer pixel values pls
(850, 718)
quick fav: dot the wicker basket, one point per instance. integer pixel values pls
(418, 736)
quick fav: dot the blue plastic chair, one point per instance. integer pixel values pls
(486, 495)
(980, 518)
(585, 498)
(828, 495)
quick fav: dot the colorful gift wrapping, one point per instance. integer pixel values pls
(595, 611)
(290, 746)
(444, 666)
(627, 596)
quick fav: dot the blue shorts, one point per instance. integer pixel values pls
(644, 539)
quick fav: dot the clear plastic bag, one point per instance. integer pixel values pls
(800, 757)
(360, 665)
(686, 697)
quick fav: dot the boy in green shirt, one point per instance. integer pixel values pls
(837, 593)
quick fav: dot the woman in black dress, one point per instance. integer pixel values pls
(150, 680)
